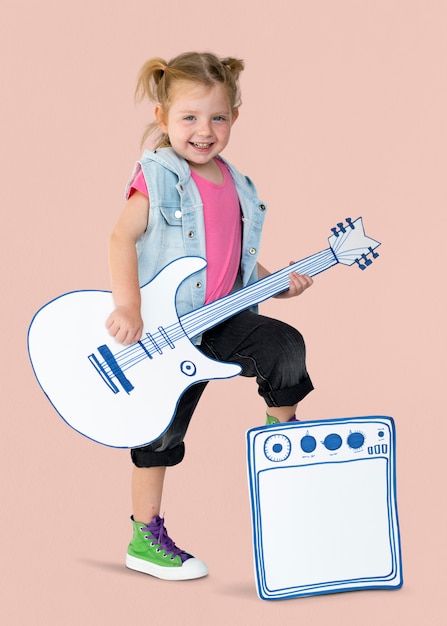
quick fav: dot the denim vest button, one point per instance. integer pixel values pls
(252, 250)
(191, 234)
(262, 207)
(198, 285)
(178, 214)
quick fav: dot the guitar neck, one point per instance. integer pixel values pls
(200, 320)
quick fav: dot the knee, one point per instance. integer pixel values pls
(292, 342)
(148, 457)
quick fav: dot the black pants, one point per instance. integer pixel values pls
(269, 350)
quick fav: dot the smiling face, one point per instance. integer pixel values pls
(198, 123)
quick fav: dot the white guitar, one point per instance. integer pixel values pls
(126, 396)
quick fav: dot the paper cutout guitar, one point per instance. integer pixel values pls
(126, 396)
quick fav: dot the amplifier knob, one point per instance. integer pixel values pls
(333, 442)
(308, 444)
(356, 440)
(277, 447)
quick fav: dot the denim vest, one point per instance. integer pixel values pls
(176, 225)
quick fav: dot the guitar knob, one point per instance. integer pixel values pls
(188, 368)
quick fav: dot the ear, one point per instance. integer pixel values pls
(234, 115)
(160, 116)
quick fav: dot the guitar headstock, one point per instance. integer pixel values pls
(350, 244)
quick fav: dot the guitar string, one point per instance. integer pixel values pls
(261, 290)
(135, 353)
(241, 298)
(255, 293)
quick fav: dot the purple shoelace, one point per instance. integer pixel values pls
(160, 534)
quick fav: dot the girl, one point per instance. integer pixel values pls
(185, 199)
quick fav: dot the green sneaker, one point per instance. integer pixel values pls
(153, 552)
(271, 420)
(274, 420)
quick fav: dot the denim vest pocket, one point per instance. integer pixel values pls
(172, 231)
(172, 214)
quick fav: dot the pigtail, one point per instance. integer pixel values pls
(234, 66)
(149, 79)
(150, 85)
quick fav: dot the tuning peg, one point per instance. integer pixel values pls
(342, 227)
(366, 261)
(362, 267)
(349, 223)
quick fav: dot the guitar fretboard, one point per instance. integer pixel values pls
(210, 315)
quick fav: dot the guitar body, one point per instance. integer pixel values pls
(126, 396)
(127, 399)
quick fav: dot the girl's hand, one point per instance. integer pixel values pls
(298, 284)
(125, 324)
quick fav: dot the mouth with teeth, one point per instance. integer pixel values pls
(201, 146)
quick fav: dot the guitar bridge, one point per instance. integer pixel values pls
(115, 370)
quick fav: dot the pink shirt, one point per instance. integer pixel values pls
(223, 230)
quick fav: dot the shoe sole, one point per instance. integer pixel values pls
(192, 568)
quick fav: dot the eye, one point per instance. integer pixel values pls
(189, 118)
(220, 118)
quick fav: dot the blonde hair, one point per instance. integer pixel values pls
(158, 78)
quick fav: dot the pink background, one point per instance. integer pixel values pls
(344, 109)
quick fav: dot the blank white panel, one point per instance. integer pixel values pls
(323, 523)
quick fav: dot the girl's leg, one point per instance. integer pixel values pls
(151, 550)
(282, 413)
(147, 489)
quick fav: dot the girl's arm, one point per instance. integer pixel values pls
(298, 282)
(125, 322)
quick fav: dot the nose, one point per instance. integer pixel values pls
(204, 128)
